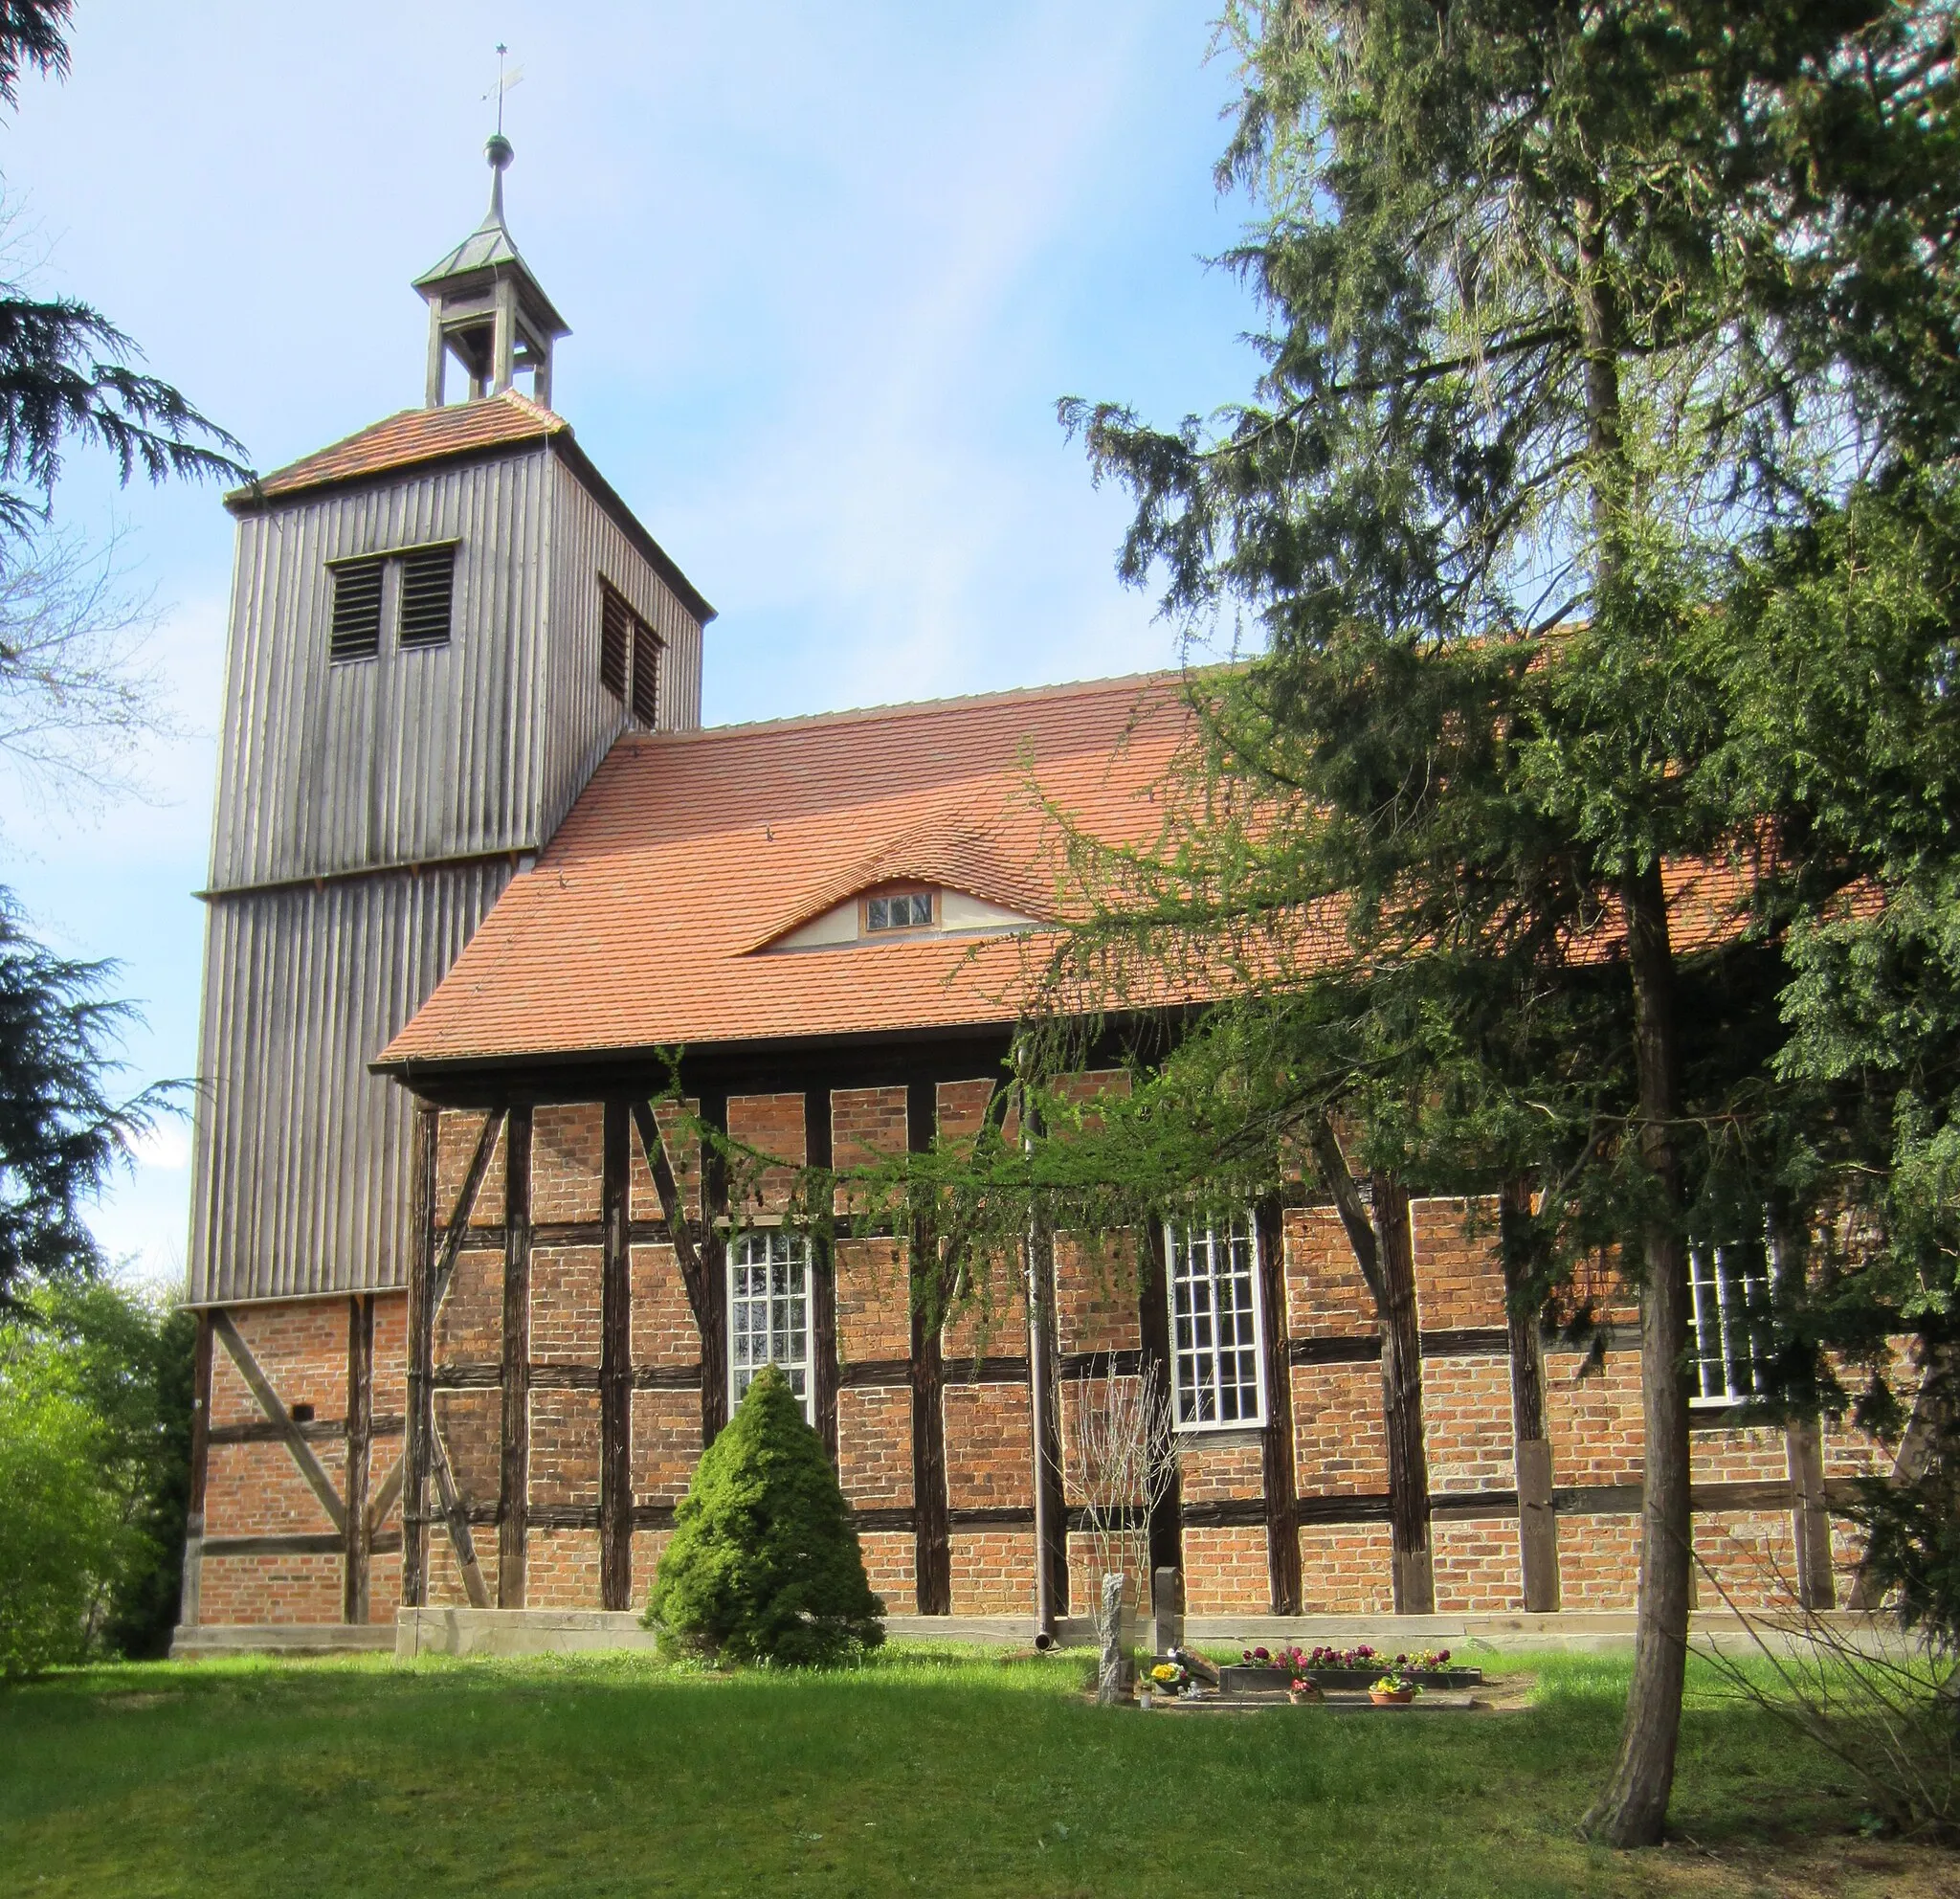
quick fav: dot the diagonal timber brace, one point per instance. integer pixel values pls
(274, 1407)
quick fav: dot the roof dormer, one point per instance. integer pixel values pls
(900, 912)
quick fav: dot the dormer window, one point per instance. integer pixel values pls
(909, 909)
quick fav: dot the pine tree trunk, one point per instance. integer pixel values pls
(1633, 1809)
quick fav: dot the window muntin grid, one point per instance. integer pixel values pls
(768, 1311)
(1217, 1363)
(910, 910)
(1730, 1285)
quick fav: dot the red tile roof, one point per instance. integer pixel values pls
(648, 919)
(484, 426)
(643, 921)
(403, 440)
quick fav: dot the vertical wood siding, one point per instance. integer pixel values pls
(412, 758)
(585, 718)
(302, 1156)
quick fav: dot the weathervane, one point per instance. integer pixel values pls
(504, 81)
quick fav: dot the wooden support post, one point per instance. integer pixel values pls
(360, 1438)
(1051, 1507)
(421, 1360)
(1816, 1588)
(1283, 1531)
(714, 1262)
(192, 1587)
(823, 1275)
(1414, 1576)
(932, 1536)
(1154, 1324)
(514, 1477)
(1537, 1519)
(615, 1365)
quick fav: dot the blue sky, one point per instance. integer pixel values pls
(826, 270)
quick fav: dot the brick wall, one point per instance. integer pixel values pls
(874, 1301)
(1466, 1423)
(1225, 1569)
(889, 1563)
(468, 1325)
(458, 1133)
(993, 1571)
(773, 1125)
(1223, 1467)
(662, 1324)
(1344, 1569)
(567, 1287)
(875, 1446)
(1594, 1417)
(1477, 1565)
(665, 1445)
(566, 1152)
(1096, 1292)
(989, 1432)
(565, 1451)
(1458, 1282)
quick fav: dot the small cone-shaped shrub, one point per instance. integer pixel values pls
(763, 1565)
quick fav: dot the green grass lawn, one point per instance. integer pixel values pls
(928, 1770)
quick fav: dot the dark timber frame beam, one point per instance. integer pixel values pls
(514, 1474)
(616, 1363)
(819, 1153)
(354, 1603)
(1537, 1518)
(1283, 1536)
(188, 1601)
(1153, 1324)
(932, 1540)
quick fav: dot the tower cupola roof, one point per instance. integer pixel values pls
(486, 306)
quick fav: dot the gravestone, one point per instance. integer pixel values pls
(1167, 1611)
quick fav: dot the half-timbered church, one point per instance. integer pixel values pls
(470, 1307)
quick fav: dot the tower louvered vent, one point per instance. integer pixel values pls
(427, 584)
(615, 641)
(629, 656)
(356, 610)
(646, 673)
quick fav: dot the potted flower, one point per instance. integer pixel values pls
(1304, 1690)
(1394, 1689)
(1166, 1678)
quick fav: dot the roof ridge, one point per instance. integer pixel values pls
(895, 708)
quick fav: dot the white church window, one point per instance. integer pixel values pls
(1730, 1285)
(768, 1311)
(1218, 1377)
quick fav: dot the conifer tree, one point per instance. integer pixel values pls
(764, 1565)
(1569, 305)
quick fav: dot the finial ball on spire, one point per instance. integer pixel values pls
(500, 151)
